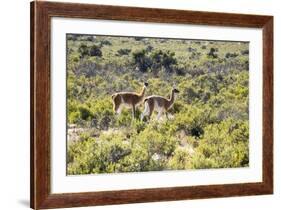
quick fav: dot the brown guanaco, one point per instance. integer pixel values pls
(159, 104)
(129, 99)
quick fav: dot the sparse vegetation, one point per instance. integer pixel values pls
(208, 124)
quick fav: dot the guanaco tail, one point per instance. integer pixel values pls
(159, 104)
(129, 99)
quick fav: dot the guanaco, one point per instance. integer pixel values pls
(158, 104)
(129, 99)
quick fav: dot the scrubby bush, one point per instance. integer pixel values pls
(141, 60)
(155, 60)
(213, 53)
(204, 47)
(83, 50)
(163, 59)
(190, 49)
(245, 52)
(193, 121)
(224, 145)
(105, 42)
(207, 126)
(90, 38)
(231, 55)
(95, 51)
(180, 159)
(97, 155)
(149, 48)
(139, 38)
(195, 56)
(123, 52)
(71, 37)
(78, 112)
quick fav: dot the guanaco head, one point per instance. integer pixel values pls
(175, 90)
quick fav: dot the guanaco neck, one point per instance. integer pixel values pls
(141, 94)
(171, 99)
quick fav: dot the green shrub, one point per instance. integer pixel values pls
(207, 125)
(97, 155)
(95, 51)
(231, 55)
(156, 141)
(105, 42)
(141, 60)
(224, 145)
(193, 121)
(213, 53)
(123, 52)
(180, 159)
(83, 50)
